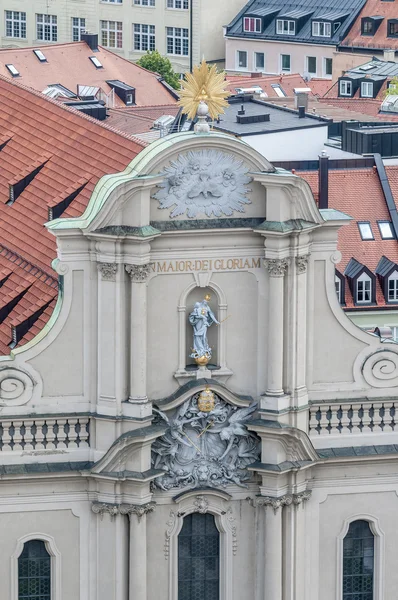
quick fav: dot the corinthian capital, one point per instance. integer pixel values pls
(108, 270)
(277, 267)
(139, 510)
(102, 508)
(139, 273)
(301, 263)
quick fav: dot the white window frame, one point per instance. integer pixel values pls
(366, 87)
(307, 65)
(51, 547)
(79, 28)
(146, 3)
(344, 83)
(255, 67)
(364, 236)
(383, 233)
(290, 62)
(326, 58)
(12, 20)
(379, 555)
(177, 4)
(338, 287)
(290, 27)
(145, 38)
(393, 277)
(215, 502)
(107, 30)
(177, 37)
(51, 23)
(256, 23)
(364, 278)
(239, 68)
(321, 29)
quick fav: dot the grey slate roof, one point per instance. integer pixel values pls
(375, 68)
(304, 11)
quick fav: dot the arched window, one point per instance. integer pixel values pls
(364, 289)
(199, 558)
(34, 572)
(358, 562)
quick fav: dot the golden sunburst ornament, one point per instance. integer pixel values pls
(205, 84)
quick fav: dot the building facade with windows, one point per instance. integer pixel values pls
(132, 464)
(179, 29)
(278, 37)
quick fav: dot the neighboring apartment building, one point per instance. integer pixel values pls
(367, 81)
(374, 33)
(274, 36)
(127, 27)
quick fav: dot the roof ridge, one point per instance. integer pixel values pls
(74, 111)
(24, 48)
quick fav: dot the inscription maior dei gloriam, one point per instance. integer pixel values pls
(218, 264)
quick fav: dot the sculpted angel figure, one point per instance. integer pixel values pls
(240, 444)
(201, 318)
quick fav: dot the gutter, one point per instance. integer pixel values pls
(190, 36)
(389, 198)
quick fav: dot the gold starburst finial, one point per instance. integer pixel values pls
(205, 84)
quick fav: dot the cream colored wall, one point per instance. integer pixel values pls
(273, 51)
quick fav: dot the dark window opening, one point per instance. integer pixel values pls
(358, 562)
(392, 28)
(34, 572)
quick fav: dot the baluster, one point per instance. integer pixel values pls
(61, 435)
(334, 419)
(73, 434)
(39, 435)
(356, 418)
(50, 436)
(18, 437)
(84, 433)
(367, 418)
(324, 421)
(377, 419)
(7, 438)
(345, 419)
(28, 435)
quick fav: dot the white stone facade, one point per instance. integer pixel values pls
(77, 402)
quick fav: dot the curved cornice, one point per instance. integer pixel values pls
(193, 387)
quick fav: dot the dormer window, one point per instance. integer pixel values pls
(367, 27)
(252, 25)
(367, 89)
(364, 289)
(345, 88)
(393, 287)
(387, 272)
(285, 27)
(392, 28)
(321, 29)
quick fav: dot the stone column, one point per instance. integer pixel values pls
(277, 268)
(138, 331)
(138, 571)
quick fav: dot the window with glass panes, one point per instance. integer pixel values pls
(259, 60)
(112, 34)
(15, 24)
(145, 2)
(251, 24)
(321, 29)
(144, 37)
(393, 287)
(177, 40)
(285, 27)
(364, 289)
(311, 65)
(34, 572)
(358, 562)
(337, 284)
(199, 558)
(180, 4)
(46, 28)
(285, 62)
(78, 27)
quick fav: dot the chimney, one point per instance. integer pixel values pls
(323, 180)
(91, 40)
(242, 110)
(389, 55)
(301, 111)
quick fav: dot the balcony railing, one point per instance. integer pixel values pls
(352, 418)
(44, 434)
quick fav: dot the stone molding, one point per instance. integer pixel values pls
(107, 270)
(302, 262)
(139, 510)
(276, 267)
(276, 503)
(139, 273)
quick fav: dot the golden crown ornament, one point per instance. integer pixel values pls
(206, 400)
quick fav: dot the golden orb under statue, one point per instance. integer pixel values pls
(203, 360)
(206, 400)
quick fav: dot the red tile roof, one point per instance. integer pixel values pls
(73, 149)
(370, 107)
(373, 8)
(138, 119)
(319, 87)
(358, 193)
(287, 82)
(69, 65)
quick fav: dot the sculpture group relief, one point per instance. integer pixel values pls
(207, 182)
(207, 443)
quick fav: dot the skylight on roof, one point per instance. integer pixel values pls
(40, 55)
(278, 90)
(367, 67)
(95, 62)
(365, 231)
(14, 72)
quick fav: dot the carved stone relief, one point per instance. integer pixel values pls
(277, 267)
(381, 369)
(139, 273)
(203, 449)
(206, 182)
(108, 271)
(16, 387)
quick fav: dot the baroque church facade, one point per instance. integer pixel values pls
(199, 420)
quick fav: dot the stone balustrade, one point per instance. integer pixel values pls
(44, 433)
(352, 418)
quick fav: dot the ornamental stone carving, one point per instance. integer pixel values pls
(102, 508)
(380, 370)
(302, 262)
(201, 504)
(108, 271)
(207, 182)
(16, 387)
(277, 267)
(276, 503)
(205, 448)
(139, 273)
